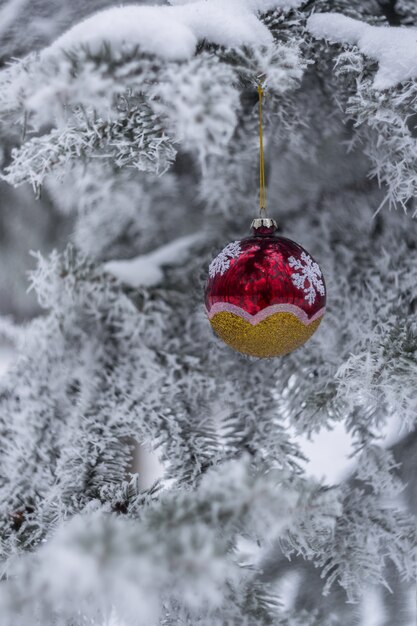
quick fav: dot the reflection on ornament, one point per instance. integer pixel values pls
(265, 295)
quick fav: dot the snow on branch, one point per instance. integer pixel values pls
(384, 129)
(9, 330)
(145, 270)
(184, 545)
(203, 125)
(92, 82)
(173, 32)
(136, 140)
(368, 529)
(394, 48)
(382, 105)
(100, 57)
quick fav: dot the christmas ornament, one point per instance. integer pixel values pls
(265, 295)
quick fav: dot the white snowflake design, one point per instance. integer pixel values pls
(221, 263)
(309, 278)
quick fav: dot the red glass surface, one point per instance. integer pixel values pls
(261, 276)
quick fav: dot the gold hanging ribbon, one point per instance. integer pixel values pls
(262, 186)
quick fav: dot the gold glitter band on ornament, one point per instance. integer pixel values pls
(277, 335)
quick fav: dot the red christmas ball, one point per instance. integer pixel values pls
(265, 295)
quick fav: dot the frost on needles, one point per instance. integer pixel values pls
(139, 126)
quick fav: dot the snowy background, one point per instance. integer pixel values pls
(359, 174)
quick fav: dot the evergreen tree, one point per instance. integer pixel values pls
(141, 123)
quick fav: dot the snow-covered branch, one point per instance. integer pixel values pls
(395, 48)
(184, 545)
(146, 269)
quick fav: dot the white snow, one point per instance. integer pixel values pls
(172, 32)
(155, 29)
(372, 611)
(7, 355)
(395, 48)
(328, 454)
(145, 270)
(252, 5)
(10, 334)
(223, 23)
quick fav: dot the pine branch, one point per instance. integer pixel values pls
(175, 535)
(135, 140)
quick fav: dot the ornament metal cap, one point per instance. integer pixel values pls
(264, 226)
